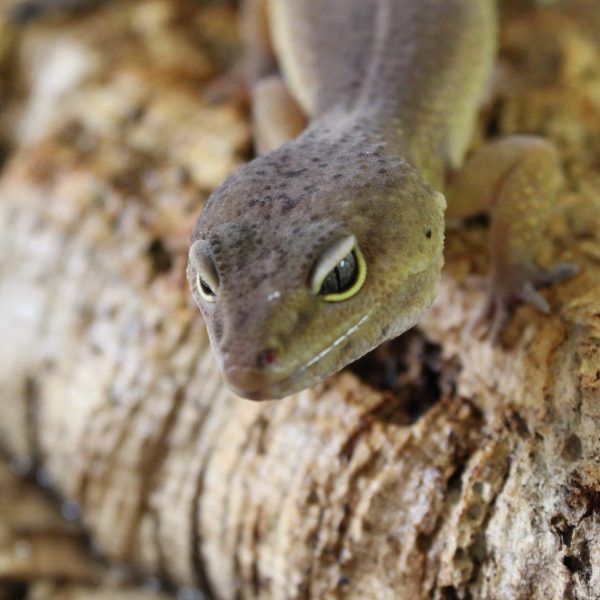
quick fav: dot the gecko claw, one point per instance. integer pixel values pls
(530, 295)
(558, 273)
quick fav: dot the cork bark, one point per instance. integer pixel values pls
(441, 466)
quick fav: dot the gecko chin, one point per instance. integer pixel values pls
(259, 384)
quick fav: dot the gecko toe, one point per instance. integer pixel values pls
(560, 272)
(530, 295)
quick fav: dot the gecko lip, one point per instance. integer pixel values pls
(254, 384)
(271, 384)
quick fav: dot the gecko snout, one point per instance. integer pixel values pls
(247, 383)
(266, 358)
(252, 381)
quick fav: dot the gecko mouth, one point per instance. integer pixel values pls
(267, 384)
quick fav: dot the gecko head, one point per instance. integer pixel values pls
(300, 267)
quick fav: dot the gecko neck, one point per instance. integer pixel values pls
(412, 78)
(373, 127)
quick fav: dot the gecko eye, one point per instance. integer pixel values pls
(204, 289)
(207, 278)
(340, 271)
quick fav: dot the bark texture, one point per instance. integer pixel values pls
(439, 467)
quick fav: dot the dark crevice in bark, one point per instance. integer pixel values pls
(411, 371)
(562, 528)
(577, 558)
(573, 563)
(477, 550)
(449, 592)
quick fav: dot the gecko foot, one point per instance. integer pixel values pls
(502, 296)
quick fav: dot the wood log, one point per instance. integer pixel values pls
(441, 466)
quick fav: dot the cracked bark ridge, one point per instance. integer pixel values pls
(473, 474)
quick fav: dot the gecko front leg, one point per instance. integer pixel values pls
(276, 116)
(517, 179)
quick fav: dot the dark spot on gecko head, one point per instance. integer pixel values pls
(302, 318)
(241, 316)
(428, 234)
(286, 203)
(254, 281)
(292, 173)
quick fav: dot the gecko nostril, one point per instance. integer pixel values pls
(266, 358)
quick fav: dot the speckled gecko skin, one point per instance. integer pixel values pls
(316, 252)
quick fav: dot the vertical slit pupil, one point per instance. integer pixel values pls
(342, 277)
(205, 287)
(347, 272)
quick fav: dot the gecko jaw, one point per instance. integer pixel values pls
(262, 384)
(334, 344)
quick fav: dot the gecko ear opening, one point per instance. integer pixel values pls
(207, 278)
(339, 272)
